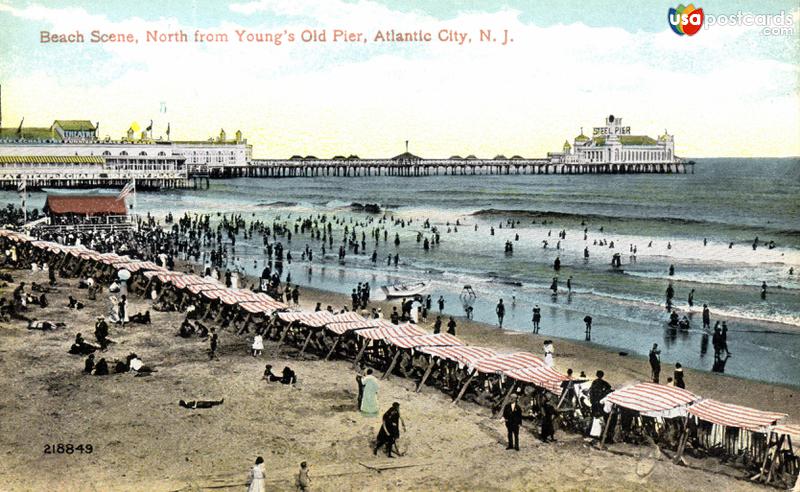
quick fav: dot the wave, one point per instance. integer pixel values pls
(278, 204)
(677, 221)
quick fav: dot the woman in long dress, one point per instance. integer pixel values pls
(369, 400)
(548, 353)
(113, 309)
(257, 477)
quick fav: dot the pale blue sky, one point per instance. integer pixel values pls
(725, 91)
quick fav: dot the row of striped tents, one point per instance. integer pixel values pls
(735, 416)
(464, 355)
(200, 288)
(503, 363)
(392, 331)
(262, 306)
(136, 265)
(653, 400)
(437, 340)
(542, 376)
(184, 281)
(340, 328)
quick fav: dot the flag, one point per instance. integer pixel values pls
(149, 128)
(22, 186)
(19, 130)
(127, 190)
(167, 131)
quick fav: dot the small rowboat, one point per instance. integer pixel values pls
(404, 290)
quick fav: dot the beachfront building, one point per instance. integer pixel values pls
(70, 153)
(91, 208)
(614, 144)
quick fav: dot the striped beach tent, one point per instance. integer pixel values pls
(501, 364)
(262, 306)
(791, 430)
(184, 281)
(437, 340)
(198, 288)
(653, 400)
(542, 376)
(462, 354)
(340, 328)
(730, 415)
(391, 331)
(313, 319)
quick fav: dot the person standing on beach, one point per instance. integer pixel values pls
(655, 363)
(369, 400)
(441, 304)
(548, 353)
(588, 320)
(537, 317)
(451, 326)
(212, 344)
(678, 376)
(437, 325)
(512, 413)
(763, 290)
(390, 430)
(303, 481)
(501, 312)
(724, 339)
(257, 477)
(706, 317)
(691, 298)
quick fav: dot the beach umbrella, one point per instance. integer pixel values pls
(124, 274)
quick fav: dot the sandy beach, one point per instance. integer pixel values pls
(142, 439)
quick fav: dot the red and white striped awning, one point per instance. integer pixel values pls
(391, 331)
(186, 280)
(542, 376)
(790, 430)
(503, 363)
(88, 255)
(265, 307)
(212, 294)
(15, 236)
(653, 400)
(438, 340)
(163, 276)
(735, 416)
(198, 288)
(311, 319)
(340, 328)
(50, 246)
(111, 258)
(136, 265)
(460, 353)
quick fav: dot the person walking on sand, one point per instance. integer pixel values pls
(512, 413)
(303, 481)
(451, 326)
(437, 325)
(655, 363)
(258, 477)
(548, 353)
(369, 400)
(390, 430)
(501, 312)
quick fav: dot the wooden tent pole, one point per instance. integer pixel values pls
(391, 366)
(505, 399)
(564, 396)
(283, 335)
(360, 353)
(682, 442)
(605, 428)
(775, 459)
(305, 343)
(335, 343)
(425, 376)
(464, 387)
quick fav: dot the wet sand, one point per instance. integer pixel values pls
(143, 440)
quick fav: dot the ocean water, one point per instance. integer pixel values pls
(727, 203)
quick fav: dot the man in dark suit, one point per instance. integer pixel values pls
(512, 413)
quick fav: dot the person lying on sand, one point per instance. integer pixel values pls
(194, 404)
(44, 325)
(269, 376)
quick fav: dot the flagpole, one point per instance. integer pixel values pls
(24, 205)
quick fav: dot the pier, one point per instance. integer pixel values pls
(412, 166)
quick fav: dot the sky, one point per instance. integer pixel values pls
(730, 90)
